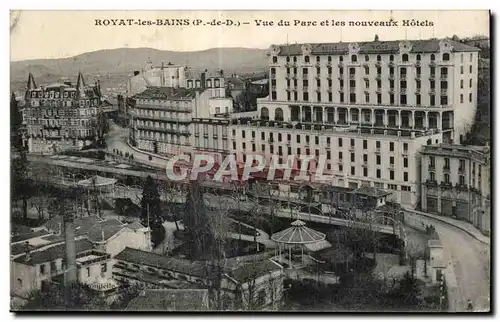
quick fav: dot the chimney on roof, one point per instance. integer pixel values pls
(202, 79)
(69, 240)
(376, 37)
(221, 72)
(136, 72)
(28, 255)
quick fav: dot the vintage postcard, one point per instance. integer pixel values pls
(333, 161)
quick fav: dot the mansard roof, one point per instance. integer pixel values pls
(373, 47)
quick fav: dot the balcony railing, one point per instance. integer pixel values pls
(461, 170)
(446, 168)
(432, 167)
(431, 182)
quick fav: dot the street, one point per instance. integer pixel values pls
(469, 260)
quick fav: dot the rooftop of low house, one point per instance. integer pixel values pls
(253, 269)
(170, 300)
(370, 192)
(168, 93)
(141, 257)
(52, 253)
(456, 150)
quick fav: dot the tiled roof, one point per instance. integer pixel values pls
(21, 237)
(141, 257)
(104, 230)
(81, 225)
(455, 150)
(298, 233)
(374, 47)
(135, 225)
(370, 192)
(170, 300)
(167, 93)
(253, 270)
(52, 253)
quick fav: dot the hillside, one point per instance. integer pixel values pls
(125, 60)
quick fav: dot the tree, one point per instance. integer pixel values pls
(100, 127)
(196, 222)
(21, 182)
(151, 215)
(16, 121)
(60, 298)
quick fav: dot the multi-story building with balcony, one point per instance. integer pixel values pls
(369, 107)
(456, 182)
(60, 116)
(186, 117)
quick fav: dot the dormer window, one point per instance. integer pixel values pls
(306, 59)
(275, 59)
(433, 57)
(329, 58)
(446, 57)
(287, 59)
(294, 59)
(391, 57)
(341, 58)
(367, 58)
(317, 59)
(418, 57)
(354, 58)
(405, 57)
(379, 58)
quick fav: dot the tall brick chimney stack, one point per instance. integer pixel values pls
(69, 233)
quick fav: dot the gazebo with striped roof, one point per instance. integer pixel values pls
(299, 235)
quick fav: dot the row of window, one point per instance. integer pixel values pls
(52, 94)
(352, 172)
(403, 98)
(208, 83)
(354, 58)
(352, 84)
(316, 140)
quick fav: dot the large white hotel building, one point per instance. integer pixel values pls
(369, 107)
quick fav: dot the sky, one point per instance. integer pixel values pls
(59, 34)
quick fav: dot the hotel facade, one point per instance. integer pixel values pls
(456, 182)
(60, 116)
(179, 111)
(369, 107)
